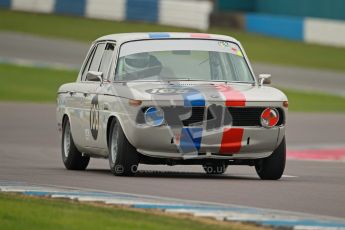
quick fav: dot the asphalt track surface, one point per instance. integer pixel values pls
(30, 148)
(30, 152)
(70, 54)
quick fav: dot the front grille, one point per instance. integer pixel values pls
(250, 116)
(186, 116)
(245, 116)
(194, 116)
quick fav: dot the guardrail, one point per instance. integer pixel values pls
(191, 14)
(310, 30)
(186, 13)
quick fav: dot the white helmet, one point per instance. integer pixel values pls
(136, 62)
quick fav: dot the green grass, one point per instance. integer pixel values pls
(19, 83)
(292, 53)
(18, 212)
(259, 48)
(314, 102)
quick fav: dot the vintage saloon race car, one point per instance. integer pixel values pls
(172, 98)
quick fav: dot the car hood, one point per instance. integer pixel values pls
(194, 91)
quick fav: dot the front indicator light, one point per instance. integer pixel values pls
(286, 104)
(154, 116)
(134, 102)
(269, 117)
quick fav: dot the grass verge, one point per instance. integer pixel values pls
(19, 212)
(19, 83)
(259, 48)
(300, 101)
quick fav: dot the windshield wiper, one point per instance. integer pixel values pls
(183, 79)
(211, 80)
(219, 80)
(246, 82)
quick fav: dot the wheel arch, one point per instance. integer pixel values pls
(125, 128)
(64, 118)
(110, 120)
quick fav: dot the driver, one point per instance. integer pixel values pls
(141, 65)
(136, 62)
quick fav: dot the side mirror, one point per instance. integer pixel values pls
(94, 76)
(264, 79)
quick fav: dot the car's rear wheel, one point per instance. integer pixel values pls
(123, 157)
(71, 157)
(215, 168)
(272, 167)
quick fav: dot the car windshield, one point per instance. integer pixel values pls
(182, 59)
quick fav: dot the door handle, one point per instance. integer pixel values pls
(106, 106)
(85, 94)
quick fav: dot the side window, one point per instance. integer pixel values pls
(106, 59)
(96, 60)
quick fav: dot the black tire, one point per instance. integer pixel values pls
(215, 168)
(272, 167)
(71, 157)
(123, 157)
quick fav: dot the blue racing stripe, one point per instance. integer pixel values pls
(159, 35)
(193, 98)
(190, 139)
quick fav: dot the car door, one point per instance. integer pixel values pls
(74, 102)
(93, 104)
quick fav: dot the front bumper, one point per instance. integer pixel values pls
(165, 142)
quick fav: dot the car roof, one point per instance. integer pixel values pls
(124, 37)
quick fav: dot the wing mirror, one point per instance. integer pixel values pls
(94, 76)
(264, 79)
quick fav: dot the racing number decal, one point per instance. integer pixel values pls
(94, 117)
(168, 91)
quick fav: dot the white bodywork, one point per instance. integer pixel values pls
(90, 105)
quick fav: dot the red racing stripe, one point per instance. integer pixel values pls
(232, 137)
(231, 140)
(200, 35)
(232, 96)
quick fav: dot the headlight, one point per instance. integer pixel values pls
(154, 116)
(269, 117)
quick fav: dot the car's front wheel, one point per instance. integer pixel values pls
(272, 167)
(71, 157)
(123, 157)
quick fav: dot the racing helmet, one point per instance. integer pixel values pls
(136, 62)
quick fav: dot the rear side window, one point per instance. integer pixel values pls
(96, 60)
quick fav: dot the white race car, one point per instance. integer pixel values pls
(172, 98)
